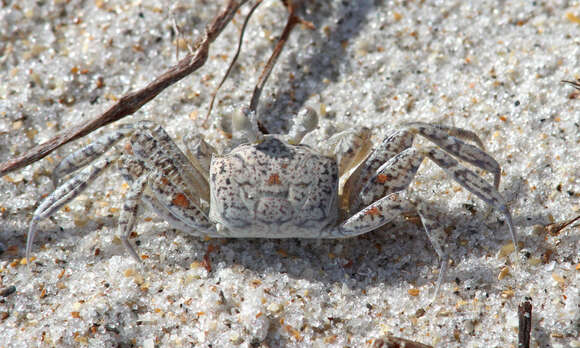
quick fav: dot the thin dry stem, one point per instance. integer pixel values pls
(397, 342)
(525, 324)
(293, 19)
(234, 59)
(576, 83)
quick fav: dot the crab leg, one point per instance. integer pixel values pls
(393, 176)
(474, 184)
(397, 173)
(179, 203)
(89, 153)
(438, 239)
(447, 138)
(169, 200)
(153, 145)
(166, 200)
(132, 169)
(200, 152)
(372, 217)
(129, 213)
(392, 145)
(64, 194)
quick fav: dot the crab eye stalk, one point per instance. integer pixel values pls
(305, 122)
(245, 126)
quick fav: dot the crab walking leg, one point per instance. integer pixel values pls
(180, 217)
(438, 239)
(64, 194)
(372, 217)
(393, 176)
(178, 202)
(392, 145)
(397, 173)
(89, 153)
(474, 184)
(132, 168)
(443, 137)
(129, 213)
(153, 204)
(453, 131)
(154, 146)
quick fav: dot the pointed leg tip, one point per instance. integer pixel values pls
(30, 239)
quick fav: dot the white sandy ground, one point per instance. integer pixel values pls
(493, 67)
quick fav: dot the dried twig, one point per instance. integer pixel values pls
(576, 83)
(397, 342)
(293, 19)
(525, 324)
(132, 101)
(555, 228)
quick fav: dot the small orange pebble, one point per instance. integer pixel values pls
(24, 261)
(558, 278)
(573, 18)
(100, 82)
(330, 339)
(294, 332)
(75, 315)
(503, 273)
(509, 293)
(413, 291)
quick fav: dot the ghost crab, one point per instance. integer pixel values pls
(272, 186)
